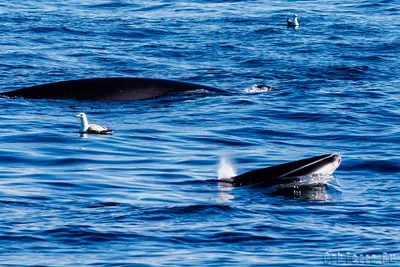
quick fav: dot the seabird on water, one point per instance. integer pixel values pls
(293, 23)
(91, 128)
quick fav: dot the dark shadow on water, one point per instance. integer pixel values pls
(320, 192)
(307, 193)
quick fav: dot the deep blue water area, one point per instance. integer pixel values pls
(144, 195)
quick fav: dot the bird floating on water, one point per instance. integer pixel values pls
(91, 128)
(293, 23)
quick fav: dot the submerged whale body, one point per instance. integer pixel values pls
(107, 89)
(288, 172)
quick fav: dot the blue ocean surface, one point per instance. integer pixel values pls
(144, 195)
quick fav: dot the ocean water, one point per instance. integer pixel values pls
(143, 196)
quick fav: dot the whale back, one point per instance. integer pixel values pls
(106, 89)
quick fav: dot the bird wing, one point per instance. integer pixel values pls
(94, 128)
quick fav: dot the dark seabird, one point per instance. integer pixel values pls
(293, 23)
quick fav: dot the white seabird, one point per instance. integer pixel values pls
(293, 23)
(91, 128)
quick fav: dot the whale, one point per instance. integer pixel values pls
(287, 173)
(119, 88)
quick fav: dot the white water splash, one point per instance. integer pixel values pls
(310, 180)
(226, 169)
(258, 89)
(197, 91)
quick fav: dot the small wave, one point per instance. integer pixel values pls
(83, 234)
(187, 211)
(259, 89)
(375, 165)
